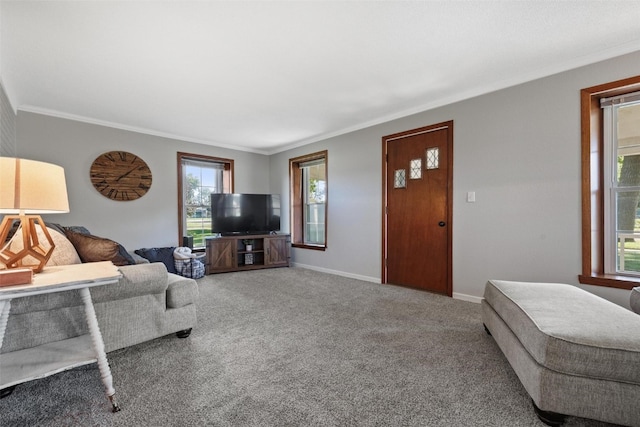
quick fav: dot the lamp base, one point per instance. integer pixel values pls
(33, 254)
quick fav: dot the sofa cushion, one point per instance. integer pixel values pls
(136, 280)
(569, 330)
(45, 302)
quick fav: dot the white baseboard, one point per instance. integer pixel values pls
(469, 298)
(337, 272)
(456, 295)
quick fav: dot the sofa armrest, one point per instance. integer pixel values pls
(136, 280)
(635, 299)
(181, 291)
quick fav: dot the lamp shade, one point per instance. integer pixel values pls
(32, 187)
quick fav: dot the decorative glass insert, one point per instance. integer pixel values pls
(433, 158)
(415, 169)
(400, 179)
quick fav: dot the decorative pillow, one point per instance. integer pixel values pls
(76, 229)
(163, 255)
(63, 254)
(123, 257)
(94, 249)
(57, 227)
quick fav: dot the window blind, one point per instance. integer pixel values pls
(310, 163)
(620, 99)
(202, 164)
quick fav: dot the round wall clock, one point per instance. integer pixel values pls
(119, 175)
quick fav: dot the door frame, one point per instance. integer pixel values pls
(385, 145)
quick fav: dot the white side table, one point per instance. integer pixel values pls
(48, 359)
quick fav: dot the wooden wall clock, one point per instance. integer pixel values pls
(121, 176)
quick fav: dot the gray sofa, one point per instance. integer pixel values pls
(574, 352)
(147, 303)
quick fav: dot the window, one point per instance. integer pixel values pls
(611, 184)
(198, 177)
(309, 189)
(621, 137)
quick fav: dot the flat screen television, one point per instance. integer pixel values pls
(245, 213)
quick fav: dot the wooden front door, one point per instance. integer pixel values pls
(417, 214)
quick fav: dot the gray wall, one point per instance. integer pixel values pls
(518, 149)
(7, 126)
(151, 221)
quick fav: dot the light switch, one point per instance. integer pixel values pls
(471, 196)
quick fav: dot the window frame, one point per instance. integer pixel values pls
(296, 208)
(593, 186)
(227, 182)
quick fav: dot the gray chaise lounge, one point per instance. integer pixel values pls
(574, 352)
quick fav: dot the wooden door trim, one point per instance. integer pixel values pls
(385, 144)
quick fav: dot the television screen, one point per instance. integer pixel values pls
(245, 213)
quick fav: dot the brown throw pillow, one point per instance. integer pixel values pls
(93, 248)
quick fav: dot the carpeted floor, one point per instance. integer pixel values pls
(294, 347)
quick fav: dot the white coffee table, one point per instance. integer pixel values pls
(38, 362)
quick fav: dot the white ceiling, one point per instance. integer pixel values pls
(268, 75)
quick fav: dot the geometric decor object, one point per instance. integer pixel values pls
(433, 160)
(415, 169)
(29, 188)
(399, 179)
(33, 253)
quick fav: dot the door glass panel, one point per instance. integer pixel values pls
(400, 180)
(433, 158)
(416, 169)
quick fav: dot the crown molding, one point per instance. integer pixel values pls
(571, 64)
(89, 120)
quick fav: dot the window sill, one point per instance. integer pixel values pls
(610, 280)
(306, 246)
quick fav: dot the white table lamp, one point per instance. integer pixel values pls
(29, 188)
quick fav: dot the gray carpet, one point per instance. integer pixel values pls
(294, 347)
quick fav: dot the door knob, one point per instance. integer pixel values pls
(442, 223)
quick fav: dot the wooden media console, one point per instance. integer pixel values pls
(230, 253)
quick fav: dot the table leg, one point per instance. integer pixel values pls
(98, 346)
(5, 306)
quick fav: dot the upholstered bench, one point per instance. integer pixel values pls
(574, 352)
